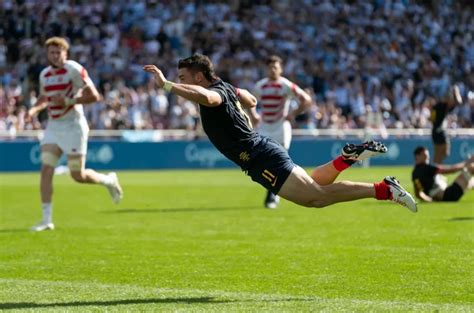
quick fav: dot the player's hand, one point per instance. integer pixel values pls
(29, 115)
(159, 77)
(58, 100)
(290, 117)
(255, 119)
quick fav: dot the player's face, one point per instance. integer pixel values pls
(187, 77)
(56, 56)
(423, 157)
(274, 70)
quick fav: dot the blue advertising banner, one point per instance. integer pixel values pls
(25, 155)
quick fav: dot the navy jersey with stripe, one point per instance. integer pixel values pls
(228, 126)
(423, 176)
(438, 114)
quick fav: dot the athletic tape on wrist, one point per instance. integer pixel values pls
(167, 86)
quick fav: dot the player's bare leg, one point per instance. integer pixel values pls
(441, 151)
(464, 179)
(46, 183)
(303, 190)
(76, 164)
(50, 154)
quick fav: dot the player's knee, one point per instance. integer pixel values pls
(78, 176)
(76, 169)
(319, 203)
(314, 203)
(49, 159)
(75, 165)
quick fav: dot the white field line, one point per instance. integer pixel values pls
(243, 296)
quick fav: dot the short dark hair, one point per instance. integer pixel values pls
(418, 150)
(274, 59)
(199, 63)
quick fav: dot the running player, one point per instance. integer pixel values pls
(274, 94)
(64, 87)
(431, 186)
(263, 159)
(438, 114)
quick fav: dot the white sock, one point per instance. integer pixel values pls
(105, 179)
(467, 175)
(47, 212)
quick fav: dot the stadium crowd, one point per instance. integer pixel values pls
(390, 59)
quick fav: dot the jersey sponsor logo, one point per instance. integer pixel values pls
(418, 184)
(244, 156)
(401, 192)
(270, 177)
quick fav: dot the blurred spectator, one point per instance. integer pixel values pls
(386, 56)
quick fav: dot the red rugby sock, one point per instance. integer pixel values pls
(382, 192)
(341, 164)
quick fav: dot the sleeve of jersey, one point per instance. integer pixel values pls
(290, 87)
(294, 89)
(221, 93)
(80, 77)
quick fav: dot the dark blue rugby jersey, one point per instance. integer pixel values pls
(438, 114)
(228, 126)
(423, 175)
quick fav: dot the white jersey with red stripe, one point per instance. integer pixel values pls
(66, 82)
(274, 98)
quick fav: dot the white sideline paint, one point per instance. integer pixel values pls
(235, 296)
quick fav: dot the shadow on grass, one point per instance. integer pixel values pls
(177, 210)
(32, 305)
(15, 230)
(191, 300)
(461, 219)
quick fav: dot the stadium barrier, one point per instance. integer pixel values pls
(129, 150)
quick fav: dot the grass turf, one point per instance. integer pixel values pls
(200, 240)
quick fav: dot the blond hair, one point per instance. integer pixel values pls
(58, 42)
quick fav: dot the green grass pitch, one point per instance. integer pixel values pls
(201, 241)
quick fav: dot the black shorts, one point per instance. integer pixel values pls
(453, 193)
(439, 137)
(271, 166)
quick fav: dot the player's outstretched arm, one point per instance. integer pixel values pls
(421, 195)
(40, 105)
(90, 94)
(449, 169)
(193, 93)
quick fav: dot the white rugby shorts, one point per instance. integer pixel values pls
(279, 131)
(69, 135)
